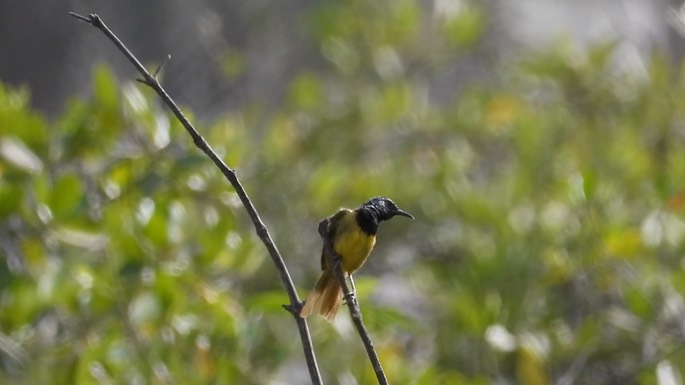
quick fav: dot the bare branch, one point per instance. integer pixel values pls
(230, 174)
(352, 304)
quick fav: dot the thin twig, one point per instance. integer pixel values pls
(352, 303)
(230, 174)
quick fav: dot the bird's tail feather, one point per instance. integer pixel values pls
(326, 298)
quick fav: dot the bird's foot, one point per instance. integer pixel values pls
(350, 297)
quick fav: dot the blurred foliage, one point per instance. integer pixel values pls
(548, 245)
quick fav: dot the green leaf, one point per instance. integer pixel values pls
(16, 153)
(67, 195)
(464, 29)
(306, 92)
(106, 90)
(11, 196)
(268, 302)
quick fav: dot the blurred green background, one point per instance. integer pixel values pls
(547, 246)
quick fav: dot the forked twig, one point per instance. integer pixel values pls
(230, 174)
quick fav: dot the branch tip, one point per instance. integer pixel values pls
(159, 68)
(87, 19)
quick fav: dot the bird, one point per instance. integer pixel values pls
(352, 235)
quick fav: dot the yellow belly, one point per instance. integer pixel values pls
(352, 244)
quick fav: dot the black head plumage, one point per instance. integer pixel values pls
(384, 208)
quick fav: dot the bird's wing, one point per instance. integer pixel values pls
(331, 229)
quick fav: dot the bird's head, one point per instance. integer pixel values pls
(384, 208)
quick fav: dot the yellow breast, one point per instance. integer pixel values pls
(352, 244)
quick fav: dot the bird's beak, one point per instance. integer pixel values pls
(404, 213)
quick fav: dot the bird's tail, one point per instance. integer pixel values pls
(326, 298)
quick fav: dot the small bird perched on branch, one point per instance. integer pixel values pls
(352, 233)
